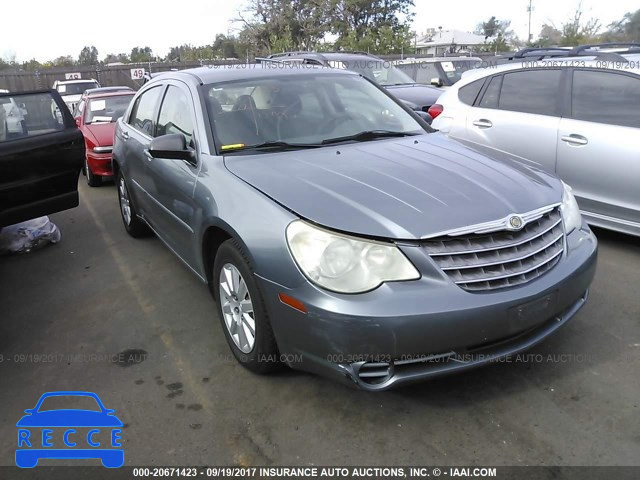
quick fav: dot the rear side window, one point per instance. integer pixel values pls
(469, 93)
(492, 93)
(606, 97)
(530, 91)
(142, 114)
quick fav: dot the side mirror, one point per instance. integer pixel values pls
(172, 146)
(29, 411)
(436, 82)
(424, 116)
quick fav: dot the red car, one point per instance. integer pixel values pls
(98, 123)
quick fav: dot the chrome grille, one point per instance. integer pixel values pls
(478, 262)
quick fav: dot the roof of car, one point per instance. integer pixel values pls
(82, 80)
(224, 73)
(325, 56)
(437, 59)
(120, 93)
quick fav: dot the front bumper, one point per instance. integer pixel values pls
(100, 163)
(407, 331)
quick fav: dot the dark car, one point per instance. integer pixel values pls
(39, 167)
(399, 84)
(339, 233)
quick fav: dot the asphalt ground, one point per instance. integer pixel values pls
(124, 318)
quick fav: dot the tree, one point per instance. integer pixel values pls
(277, 25)
(88, 56)
(498, 35)
(31, 65)
(549, 36)
(141, 55)
(65, 61)
(625, 30)
(381, 24)
(576, 31)
(116, 58)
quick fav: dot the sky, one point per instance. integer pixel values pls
(45, 29)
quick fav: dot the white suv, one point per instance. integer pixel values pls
(71, 90)
(576, 116)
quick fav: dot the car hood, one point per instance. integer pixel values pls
(405, 188)
(69, 418)
(416, 94)
(101, 134)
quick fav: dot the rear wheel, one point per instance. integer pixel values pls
(242, 311)
(92, 180)
(132, 223)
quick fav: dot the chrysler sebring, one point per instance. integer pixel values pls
(339, 233)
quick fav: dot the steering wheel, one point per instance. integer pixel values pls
(339, 119)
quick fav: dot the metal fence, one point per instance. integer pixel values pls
(20, 81)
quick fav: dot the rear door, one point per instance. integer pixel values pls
(133, 138)
(599, 144)
(41, 154)
(519, 113)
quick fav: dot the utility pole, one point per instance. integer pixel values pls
(529, 10)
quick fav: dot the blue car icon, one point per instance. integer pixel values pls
(40, 427)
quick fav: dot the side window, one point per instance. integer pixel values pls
(176, 114)
(28, 115)
(427, 71)
(491, 94)
(142, 118)
(530, 91)
(606, 97)
(469, 93)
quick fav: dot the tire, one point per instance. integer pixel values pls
(92, 180)
(262, 355)
(132, 223)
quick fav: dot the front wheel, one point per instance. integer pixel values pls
(242, 311)
(132, 223)
(92, 180)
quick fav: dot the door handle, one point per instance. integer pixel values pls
(125, 135)
(483, 123)
(148, 155)
(574, 139)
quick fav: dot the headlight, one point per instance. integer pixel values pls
(570, 210)
(345, 264)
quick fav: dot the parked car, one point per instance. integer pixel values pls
(417, 97)
(564, 118)
(71, 90)
(98, 123)
(338, 233)
(77, 111)
(39, 170)
(440, 72)
(13, 117)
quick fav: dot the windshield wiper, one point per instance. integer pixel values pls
(369, 135)
(275, 145)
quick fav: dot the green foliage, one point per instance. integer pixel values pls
(116, 58)
(88, 56)
(498, 34)
(625, 30)
(141, 55)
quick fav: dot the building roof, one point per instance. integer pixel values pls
(448, 37)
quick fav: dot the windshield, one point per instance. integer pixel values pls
(301, 109)
(380, 72)
(75, 88)
(107, 109)
(69, 402)
(454, 69)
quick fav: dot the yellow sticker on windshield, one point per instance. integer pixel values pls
(232, 146)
